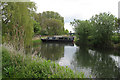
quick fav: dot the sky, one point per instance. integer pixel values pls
(77, 9)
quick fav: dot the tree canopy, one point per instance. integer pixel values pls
(17, 23)
(82, 29)
(103, 25)
(98, 30)
(52, 23)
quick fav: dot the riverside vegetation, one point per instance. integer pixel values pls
(20, 23)
(101, 31)
(18, 65)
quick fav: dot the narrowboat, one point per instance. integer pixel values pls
(58, 39)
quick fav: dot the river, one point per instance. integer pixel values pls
(96, 63)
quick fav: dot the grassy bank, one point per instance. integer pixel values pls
(36, 41)
(18, 65)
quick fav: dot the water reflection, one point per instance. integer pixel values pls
(68, 56)
(100, 64)
(97, 63)
(53, 51)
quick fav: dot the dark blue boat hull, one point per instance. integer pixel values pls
(51, 40)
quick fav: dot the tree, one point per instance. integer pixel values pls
(82, 30)
(52, 23)
(103, 25)
(37, 27)
(51, 14)
(18, 24)
(54, 27)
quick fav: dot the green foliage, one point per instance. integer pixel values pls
(66, 31)
(54, 15)
(17, 27)
(82, 30)
(16, 65)
(104, 25)
(54, 27)
(37, 28)
(97, 31)
(115, 39)
(36, 41)
(52, 23)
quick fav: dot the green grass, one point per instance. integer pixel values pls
(18, 65)
(36, 41)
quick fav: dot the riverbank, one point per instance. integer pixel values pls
(99, 63)
(113, 45)
(38, 40)
(99, 46)
(19, 65)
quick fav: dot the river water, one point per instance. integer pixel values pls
(96, 63)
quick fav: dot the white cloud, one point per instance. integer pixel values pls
(78, 9)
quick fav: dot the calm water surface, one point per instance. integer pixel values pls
(97, 63)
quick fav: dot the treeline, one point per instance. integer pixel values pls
(102, 30)
(49, 23)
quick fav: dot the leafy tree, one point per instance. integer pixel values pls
(37, 27)
(103, 25)
(51, 14)
(38, 18)
(82, 30)
(54, 27)
(52, 23)
(97, 31)
(18, 23)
